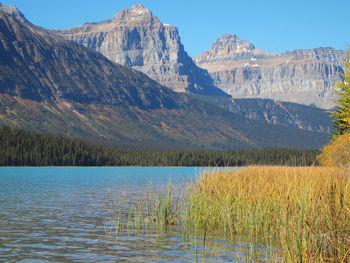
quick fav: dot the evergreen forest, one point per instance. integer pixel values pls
(27, 148)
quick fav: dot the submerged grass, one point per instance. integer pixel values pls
(304, 212)
(156, 210)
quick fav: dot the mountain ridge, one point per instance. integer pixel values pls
(304, 76)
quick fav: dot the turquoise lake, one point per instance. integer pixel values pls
(52, 214)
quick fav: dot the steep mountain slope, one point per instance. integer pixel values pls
(277, 112)
(39, 66)
(136, 38)
(52, 85)
(300, 76)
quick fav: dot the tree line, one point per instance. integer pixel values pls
(25, 148)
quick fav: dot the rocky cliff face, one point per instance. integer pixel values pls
(300, 76)
(136, 38)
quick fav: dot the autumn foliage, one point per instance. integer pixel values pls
(337, 152)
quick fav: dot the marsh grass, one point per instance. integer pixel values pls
(285, 214)
(159, 210)
(302, 212)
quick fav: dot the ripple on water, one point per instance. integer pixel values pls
(59, 215)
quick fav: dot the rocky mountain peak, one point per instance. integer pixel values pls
(13, 11)
(304, 76)
(232, 44)
(230, 47)
(137, 14)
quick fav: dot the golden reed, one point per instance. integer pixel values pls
(304, 212)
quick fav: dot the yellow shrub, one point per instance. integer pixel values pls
(337, 152)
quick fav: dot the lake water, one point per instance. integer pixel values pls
(55, 214)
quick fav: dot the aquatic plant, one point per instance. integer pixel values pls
(155, 210)
(304, 212)
(160, 210)
(297, 214)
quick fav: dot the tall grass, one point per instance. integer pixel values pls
(156, 210)
(300, 214)
(303, 212)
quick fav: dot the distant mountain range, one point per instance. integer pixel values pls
(136, 38)
(49, 84)
(301, 76)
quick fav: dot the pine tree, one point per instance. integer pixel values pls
(341, 122)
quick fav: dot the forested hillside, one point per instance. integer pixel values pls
(19, 147)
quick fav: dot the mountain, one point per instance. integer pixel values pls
(136, 38)
(52, 85)
(301, 76)
(277, 112)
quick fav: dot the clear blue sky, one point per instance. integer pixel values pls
(274, 26)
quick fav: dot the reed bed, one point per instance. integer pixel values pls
(302, 212)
